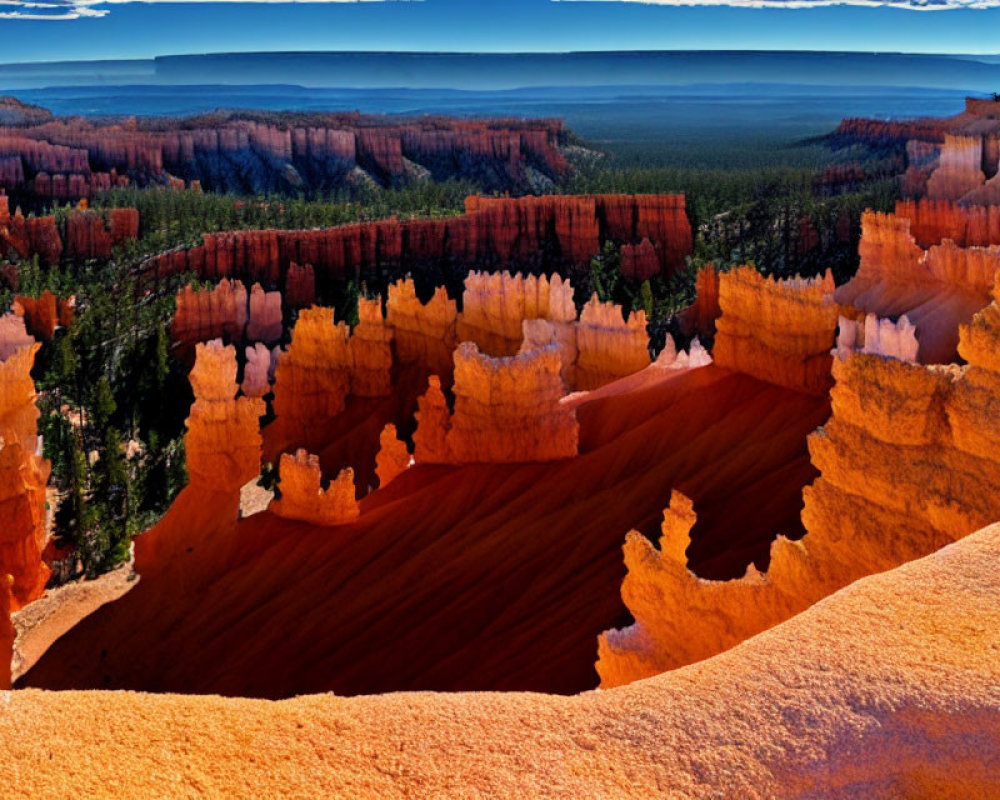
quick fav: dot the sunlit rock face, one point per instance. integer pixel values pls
(23, 472)
(303, 497)
(778, 331)
(938, 289)
(908, 463)
(506, 410)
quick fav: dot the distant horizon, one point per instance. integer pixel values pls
(610, 51)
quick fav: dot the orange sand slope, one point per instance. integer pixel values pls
(889, 688)
(503, 581)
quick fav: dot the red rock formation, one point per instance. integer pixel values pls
(938, 290)
(313, 152)
(41, 315)
(370, 349)
(499, 231)
(206, 314)
(223, 440)
(879, 337)
(393, 458)
(959, 170)
(932, 222)
(433, 420)
(259, 370)
(300, 286)
(640, 262)
(23, 473)
(700, 317)
(264, 323)
(313, 377)
(495, 306)
(303, 498)
(424, 334)
(507, 409)
(778, 331)
(609, 346)
(907, 464)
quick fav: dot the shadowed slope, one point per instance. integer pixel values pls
(473, 577)
(886, 689)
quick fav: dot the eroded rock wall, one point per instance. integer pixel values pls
(908, 463)
(778, 331)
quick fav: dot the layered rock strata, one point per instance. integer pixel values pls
(778, 331)
(907, 464)
(303, 497)
(23, 472)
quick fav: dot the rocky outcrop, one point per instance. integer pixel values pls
(43, 314)
(258, 373)
(931, 222)
(906, 463)
(959, 170)
(393, 458)
(227, 312)
(495, 306)
(88, 234)
(700, 317)
(370, 349)
(267, 152)
(557, 233)
(778, 331)
(424, 333)
(303, 497)
(313, 377)
(223, 441)
(878, 337)
(609, 346)
(23, 472)
(938, 289)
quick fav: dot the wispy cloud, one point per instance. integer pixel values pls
(77, 9)
(913, 5)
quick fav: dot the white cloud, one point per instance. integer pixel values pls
(913, 5)
(76, 9)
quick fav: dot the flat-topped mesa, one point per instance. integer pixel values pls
(938, 289)
(313, 376)
(879, 337)
(223, 442)
(303, 497)
(959, 170)
(424, 333)
(609, 346)
(393, 458)
(931, 222)
(909, 462)
(495, 306)
(507, 410)
(778, 331)
(23, 472)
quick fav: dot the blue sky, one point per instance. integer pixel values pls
(144, 29)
